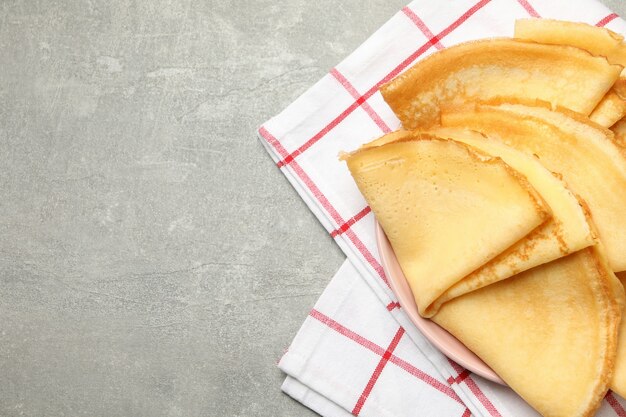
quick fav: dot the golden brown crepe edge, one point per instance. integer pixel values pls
(495, 103)
(618, 52)
(613, 318)
(392, 93)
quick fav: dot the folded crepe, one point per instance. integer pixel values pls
(487, 69)
(566, 232)
(597, 41)
(583, 153)
(550, 332)
(618, 383)
(619, 130)
(612, 107)
(446, 208)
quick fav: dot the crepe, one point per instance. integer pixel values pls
(598, 41)
(566, 232)
(612, 107)
(618, 384)
(487, 69)
(550, 332)
(583, 153)
(447, 209)
(619, 130)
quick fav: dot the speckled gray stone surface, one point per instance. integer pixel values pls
(153, 260)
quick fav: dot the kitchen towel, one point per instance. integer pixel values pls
(346, 357)
(352, 357)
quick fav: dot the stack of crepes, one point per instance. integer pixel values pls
(504, 199)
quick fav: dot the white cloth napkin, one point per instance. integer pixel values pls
(358, 353)
(338, 365)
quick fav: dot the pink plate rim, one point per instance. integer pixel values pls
(441, 339)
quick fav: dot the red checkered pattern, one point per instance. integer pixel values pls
(386, 355)
(529, 8)
(344, 110)
(381, 344)
(606, 20)
(349, 360)
(615, 405)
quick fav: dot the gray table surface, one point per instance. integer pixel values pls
(153, 260)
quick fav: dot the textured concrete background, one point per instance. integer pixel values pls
(153, 260)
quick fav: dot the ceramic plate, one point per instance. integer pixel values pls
(444, 341)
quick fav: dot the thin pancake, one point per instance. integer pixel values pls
(583, 153)
(550, 332)
(618, 384)
(492, 68)
(619, 130)
(566, 232)
(598, 41)
(610, 110)
(446, 209)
